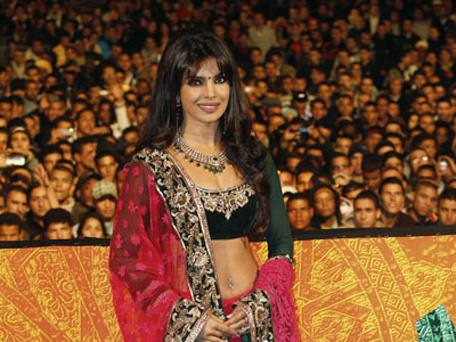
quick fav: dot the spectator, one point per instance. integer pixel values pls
(340, 165)
(107, 165)
(84, 151)
(92, 226)
(61, 181)
(50, 157)
(424, 200)
(39, 206)
(327, 212)
(261, 35)
(392, 199)
(16, 201)
(367, 212)
(304, 174)
(446, 207)
(372, 171)
(57, 225)
(299, 212)
(84, 200)
(104, 194)
(10, 227)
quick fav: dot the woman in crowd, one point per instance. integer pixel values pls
(92, 226)
(198, 187)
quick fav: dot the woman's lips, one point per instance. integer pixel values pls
(209, 107)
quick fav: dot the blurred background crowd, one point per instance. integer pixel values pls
(354, 99)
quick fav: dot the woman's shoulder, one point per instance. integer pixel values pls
(152, 159)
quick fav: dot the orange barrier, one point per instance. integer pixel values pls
(351, 289)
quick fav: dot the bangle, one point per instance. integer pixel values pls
(285, 257)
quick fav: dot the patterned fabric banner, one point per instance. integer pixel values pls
(352, 289)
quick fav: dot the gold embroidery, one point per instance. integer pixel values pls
(259, 314)
(183, 210)
(226, 201)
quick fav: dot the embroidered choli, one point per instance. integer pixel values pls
(230, 212)
(162, 273)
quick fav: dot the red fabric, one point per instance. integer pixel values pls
(228, 304)
(148, 271)
(147, 260)
(276, 278)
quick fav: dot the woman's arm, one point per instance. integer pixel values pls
(270, 306)
(278, 234)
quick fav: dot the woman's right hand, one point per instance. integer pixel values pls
(215, 330)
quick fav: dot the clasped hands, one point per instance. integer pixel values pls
(217, 330)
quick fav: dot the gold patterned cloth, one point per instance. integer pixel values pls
(354, 289)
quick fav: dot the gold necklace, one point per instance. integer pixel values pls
(211, 163)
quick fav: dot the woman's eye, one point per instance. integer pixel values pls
(194, 82)
(220, 79)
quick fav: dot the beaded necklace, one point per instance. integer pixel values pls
(214, 163)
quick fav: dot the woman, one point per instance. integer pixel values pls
(182, 269)
(92, 226)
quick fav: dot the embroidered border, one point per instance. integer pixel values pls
(187, 319)
(259, 305)
(226, 201)
(185, 213)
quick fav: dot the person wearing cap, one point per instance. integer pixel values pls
(20, 142)
(299, 104)
(104, 194)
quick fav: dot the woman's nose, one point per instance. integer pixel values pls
(209, 89)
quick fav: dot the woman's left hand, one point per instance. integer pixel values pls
(238, 320)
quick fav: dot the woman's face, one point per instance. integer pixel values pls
(205, 96)
(92, 229)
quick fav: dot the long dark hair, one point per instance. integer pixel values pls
(182, 57)
(86, 217)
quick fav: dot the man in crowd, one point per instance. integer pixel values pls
(446, 207)
(299, 211)
(424, 200)
(57, 225)
(104, 193)
(10, 227)
(392, 199)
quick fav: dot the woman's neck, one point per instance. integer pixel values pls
(204, 138)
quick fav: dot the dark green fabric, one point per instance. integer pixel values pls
(278, 234)
(436, 326)
(246, 338)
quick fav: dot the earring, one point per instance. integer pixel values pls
(178, 113)
(224, 123)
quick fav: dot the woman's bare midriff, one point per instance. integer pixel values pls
(235, 266)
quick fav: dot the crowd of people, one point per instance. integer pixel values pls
(354, 100)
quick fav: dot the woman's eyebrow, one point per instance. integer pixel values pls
(195, 77)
